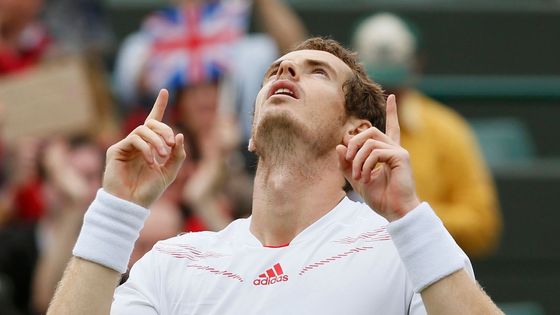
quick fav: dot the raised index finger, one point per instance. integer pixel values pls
(159, 106)
(392, 128)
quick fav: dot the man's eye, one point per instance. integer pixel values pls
(319, 71)
(272, 73)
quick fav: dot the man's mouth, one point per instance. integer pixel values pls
(283, 91)
(284, 87)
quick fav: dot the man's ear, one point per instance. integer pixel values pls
(356, 125)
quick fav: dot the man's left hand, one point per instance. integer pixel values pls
(378, 168)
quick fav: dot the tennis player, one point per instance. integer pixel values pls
(307, 249)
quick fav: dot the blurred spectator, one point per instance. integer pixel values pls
(79, 26)
(446, 160)
(73, 176)
(201, 52)
(33, 256)
(23, 40)
(5, 195)
(24, 181)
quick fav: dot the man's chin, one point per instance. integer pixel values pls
(278, 117)
(276, 132)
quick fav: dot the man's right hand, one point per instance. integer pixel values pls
(141, 166)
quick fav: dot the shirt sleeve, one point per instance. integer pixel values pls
(139, 295)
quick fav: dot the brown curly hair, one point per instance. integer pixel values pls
(363, 98)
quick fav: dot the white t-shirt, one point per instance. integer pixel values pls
(345, 263)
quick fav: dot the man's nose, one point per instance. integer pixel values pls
(288, 70)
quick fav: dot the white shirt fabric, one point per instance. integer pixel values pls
(345, 263)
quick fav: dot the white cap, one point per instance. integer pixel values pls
(384, 38)
(387, 47)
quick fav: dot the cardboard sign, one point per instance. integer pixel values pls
(54, 98)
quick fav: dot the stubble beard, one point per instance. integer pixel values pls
(276, 136)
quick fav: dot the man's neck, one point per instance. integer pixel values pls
(291, 195)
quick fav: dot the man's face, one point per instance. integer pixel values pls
(302, 96)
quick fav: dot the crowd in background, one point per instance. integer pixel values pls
(203, 52)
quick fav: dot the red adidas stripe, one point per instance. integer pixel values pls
(278, 269)
(270, 273)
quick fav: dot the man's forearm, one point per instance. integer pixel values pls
(133, 180)
(111, 226)
(86, 288)
(54, 258)
(457, 294)
(437, 267)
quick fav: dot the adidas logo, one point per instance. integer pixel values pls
(271, 276)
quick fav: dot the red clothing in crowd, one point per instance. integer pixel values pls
(32, 45)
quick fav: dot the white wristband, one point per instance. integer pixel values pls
(111, 226)
(427, 250)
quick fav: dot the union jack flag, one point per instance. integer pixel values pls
(193, 44)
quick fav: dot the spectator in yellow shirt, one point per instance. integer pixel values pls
(447, 164)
